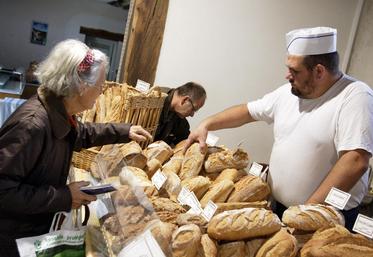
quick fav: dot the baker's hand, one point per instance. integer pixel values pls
(199, 135)
(139, 134)
(78, 197)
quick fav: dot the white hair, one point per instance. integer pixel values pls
(59, 71)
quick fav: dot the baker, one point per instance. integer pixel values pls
(322, 121)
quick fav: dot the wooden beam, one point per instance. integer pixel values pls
(144, 41)
(101, 34)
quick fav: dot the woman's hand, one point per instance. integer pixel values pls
(139, 134)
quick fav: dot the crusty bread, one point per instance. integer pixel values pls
(231, 174)
(114, 113)
(243, 224)
(186, 241)
(173, 165)
(208, 247)
(227, 159)
(136, 177)
(159, 150)
(312, 217)
(282, 244)
(188, 218)
(162, 232)
(249, 189)
(172, 185)
(132, 155)
(236, 206)
(218, 192)
(337, 241)
(233, 249)
(254, 245)
(192, 162)
(199, 185)
(152, 166)
(165, 204)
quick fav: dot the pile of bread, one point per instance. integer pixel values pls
(243, 224)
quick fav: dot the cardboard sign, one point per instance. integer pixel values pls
(142, 86)
(364, 226)
(159, 179)
(209, 210)
(255, 169)
(337, 198)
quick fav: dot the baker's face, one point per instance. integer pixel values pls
(90, 93)
(301, 79)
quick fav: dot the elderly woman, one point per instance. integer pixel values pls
(38, 140)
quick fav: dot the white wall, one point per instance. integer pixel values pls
(64, 20)
(236, 50)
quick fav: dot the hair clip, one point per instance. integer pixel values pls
(86, 63)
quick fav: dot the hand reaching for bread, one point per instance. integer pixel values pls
(139, 134)
(78, 197)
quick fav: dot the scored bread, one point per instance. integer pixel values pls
(208, 247)
(311, 217)
(226, 159)
(281, 244)
(199, 185)
(192, 162)
(186, 241)
(249, 189)
(218, 192)
(233, 249)
(243, 224)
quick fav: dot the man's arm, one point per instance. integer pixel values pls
(229, 118)
(344, 175)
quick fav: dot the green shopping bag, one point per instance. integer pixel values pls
(66, 240)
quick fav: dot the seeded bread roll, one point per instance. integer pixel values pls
(192, 162)
(186, 241)
(208, 247)
(218, 192)
(312, 217)
(249, 189)
(282, 244)
(227, 159)
(233, 249)
(199, 185)
(231, 174)
(243, 224)
(337, 241)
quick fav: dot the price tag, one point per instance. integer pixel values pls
(209, 210)
(159, 179)
(192, 201)
(337, 198)
(255, 169)
(211, 139)
(142, 86)
(364, 226)
(183, 195)
(195, 210)
(143, 246)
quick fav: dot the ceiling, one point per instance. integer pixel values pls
(125, 4)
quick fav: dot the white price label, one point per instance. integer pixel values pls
(159, 179)
(142, 86)
(143, 246)
(211, 139)
(183, 195)
(364, 226)
(195, 210)
(337, 198)
(209, 210)
(192, 201)
(255, 169)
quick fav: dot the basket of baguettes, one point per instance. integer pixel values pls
(243, 224)
(122, 103)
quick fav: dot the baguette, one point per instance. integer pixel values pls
(249, 189)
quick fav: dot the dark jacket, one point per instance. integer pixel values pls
(171, 128)
(36, 146)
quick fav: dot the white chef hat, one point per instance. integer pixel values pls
(311, 41)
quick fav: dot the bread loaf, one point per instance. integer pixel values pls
(208, 247)
(243, 224)
(172, 185)
(186, 241)
(337, 241)
(254, 245)
(159, 150)
(227, 159)
(173, 165)
(136, 177)
(162, 232)
(192, 162)
(132, 155)
(236, 206)
(199, 185)
(218, 192)
(249, 189)
(282, 244)
(312, 217)
(233, 249)
(152, 166)
(233, 175)
(188, 218)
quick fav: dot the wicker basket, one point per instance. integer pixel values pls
(137, 108)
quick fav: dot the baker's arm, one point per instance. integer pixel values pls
(349, 168)
(229, 118)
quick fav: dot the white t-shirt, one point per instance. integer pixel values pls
(309, 134)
